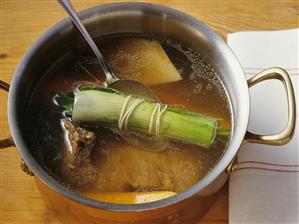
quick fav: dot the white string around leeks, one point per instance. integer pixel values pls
(126, 113)
(120, 120)
(152, 118)
(130, 111)
(159, 115)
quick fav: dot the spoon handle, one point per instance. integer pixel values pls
(68, 7)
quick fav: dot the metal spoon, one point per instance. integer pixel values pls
(128, 86)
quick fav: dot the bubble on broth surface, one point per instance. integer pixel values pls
(199, 69)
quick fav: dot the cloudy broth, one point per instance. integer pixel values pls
(119, 166)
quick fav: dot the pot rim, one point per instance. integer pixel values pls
(228, 156)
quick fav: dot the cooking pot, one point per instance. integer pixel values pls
(118, 18)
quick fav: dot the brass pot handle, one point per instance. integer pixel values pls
(7, 142)
(286, 135)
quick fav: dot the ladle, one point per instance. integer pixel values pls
(127, 86)
(124, 85)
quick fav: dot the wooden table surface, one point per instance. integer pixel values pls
(22, 22)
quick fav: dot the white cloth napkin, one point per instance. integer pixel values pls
(265, 188)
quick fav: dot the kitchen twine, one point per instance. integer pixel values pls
(125, 114)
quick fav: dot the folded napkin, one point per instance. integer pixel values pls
(265, 188)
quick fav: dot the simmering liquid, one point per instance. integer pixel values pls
(119, 166)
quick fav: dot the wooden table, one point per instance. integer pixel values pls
(22, 22)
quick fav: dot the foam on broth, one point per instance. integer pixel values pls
(121, 167)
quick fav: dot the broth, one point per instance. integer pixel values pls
(117, 165)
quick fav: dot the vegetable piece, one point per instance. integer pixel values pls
(142, 60)
(130, 197)
(106, 106)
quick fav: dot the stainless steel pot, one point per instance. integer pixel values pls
(117, 18)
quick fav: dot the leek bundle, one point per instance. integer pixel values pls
(109, 107)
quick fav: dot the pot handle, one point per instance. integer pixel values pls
(7, 142)
(286, 135)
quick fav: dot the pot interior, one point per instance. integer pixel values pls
(123, 19)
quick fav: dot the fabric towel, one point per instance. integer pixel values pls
(265, 187)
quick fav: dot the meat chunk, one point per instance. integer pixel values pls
(125, 168)
(77, 169)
